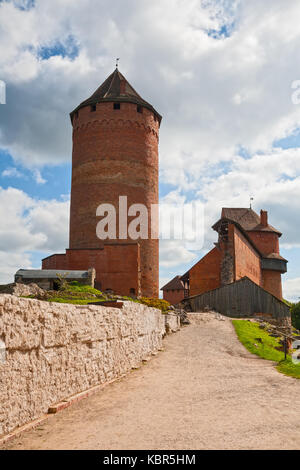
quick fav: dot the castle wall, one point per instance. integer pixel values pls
(272, 282)
(117, 266)
(173, 296)
(115, 153)
(247, 260)
(266, 242)
(205, 275)
(57, 261)
(50, 351)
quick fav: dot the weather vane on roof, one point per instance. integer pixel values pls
(117, 61)
(251, 199)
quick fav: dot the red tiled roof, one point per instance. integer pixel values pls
(275, 256)
(247, 219)
(175, 284)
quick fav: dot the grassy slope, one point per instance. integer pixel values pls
(75, 293)
(249, 332)
(78, 294)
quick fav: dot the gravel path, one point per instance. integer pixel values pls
(205, 391)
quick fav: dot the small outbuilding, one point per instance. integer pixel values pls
(175, 290)
(50, 279)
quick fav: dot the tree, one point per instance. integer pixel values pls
(295, 313)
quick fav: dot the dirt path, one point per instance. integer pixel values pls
(205, 391)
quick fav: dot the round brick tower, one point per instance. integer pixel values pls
(115, 153)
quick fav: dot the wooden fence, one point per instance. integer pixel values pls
(242, 299)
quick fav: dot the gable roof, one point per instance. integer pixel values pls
(110, 90)
(248, 219)
(175, 284)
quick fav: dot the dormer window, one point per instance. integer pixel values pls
(117, 106)
(93, 107)
(139, 109)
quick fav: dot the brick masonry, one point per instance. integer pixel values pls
(117, 266)
(205, 275)
(174, 296)
(115, 153)
(53, 351)
(247, 259)
(234, 258)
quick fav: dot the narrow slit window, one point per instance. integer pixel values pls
(139, 109)
(117, 106)
(93, 107)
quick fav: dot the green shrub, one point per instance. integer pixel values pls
(295, 314)
(161, 304)
(76, 287)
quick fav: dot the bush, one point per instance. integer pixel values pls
(161, 304)
(295, 314)
(76, 287)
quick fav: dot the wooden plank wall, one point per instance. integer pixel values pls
(242, 299)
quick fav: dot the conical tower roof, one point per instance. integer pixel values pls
(116, 88)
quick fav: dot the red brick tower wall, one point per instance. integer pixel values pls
(247, 260)
(272, 282)
(266, 242)
(205, 275)
(115, 153)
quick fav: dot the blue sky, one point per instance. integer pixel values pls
(211, 68)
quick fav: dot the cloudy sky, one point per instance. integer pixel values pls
(221, 72)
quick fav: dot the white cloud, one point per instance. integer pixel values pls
(11, 172)
(216, 93)
(195, 80)
(291, 289)
(11, 263)
(38, 177)
(173, 253)
(273, 181)
(29, 225)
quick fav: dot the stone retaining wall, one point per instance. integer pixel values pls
(50, 351)
(172, 322)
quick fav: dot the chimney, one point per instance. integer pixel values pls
(264, 218)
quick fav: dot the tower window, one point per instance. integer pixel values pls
(93, 107)
(76, 115)
(139, 109)
(117, 106)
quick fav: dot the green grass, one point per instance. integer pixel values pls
(76, 287)
(288, 368)
(78, 294)
(259, 342)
